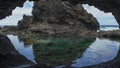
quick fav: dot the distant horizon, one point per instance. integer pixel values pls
(102, 17)
(108, 25)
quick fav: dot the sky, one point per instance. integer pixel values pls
(17, 14)
(102, 17)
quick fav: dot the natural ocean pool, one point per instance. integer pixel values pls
(97, 51)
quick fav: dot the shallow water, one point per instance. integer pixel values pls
(100, 51)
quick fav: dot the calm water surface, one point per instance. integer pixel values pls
(101, 50)
(25, 50)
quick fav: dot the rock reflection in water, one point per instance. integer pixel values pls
(102, 50)
(60, 51)
(9, 57)
(25, 50)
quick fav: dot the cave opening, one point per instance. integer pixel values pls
(106, 21)
(17, 14)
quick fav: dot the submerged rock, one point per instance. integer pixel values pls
(62, 51)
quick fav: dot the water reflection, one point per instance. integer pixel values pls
(17, 14)
(102, 50)
(62, 52)
(21, 48)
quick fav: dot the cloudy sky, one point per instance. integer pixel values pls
(103, 18)
(17, 14)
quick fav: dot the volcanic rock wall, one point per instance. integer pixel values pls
(60, 17)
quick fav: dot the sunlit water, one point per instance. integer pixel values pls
(25, 50)
(102, 17)
(17, 14)
(101, 50)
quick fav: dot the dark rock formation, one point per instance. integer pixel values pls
(25, 23)
(9, 57)
(107, 6)
(110, 64)
(40, 66)
(109, 34)
(6, 7)
(56, 17)
(104, 5)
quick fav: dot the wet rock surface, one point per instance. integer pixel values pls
(9, 57)
(111, 64)
(109, 34)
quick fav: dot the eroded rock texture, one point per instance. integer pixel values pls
(58, 17)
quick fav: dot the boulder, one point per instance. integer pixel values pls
(61, 17)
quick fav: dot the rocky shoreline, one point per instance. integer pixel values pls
(9, 57)
(54, 18)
